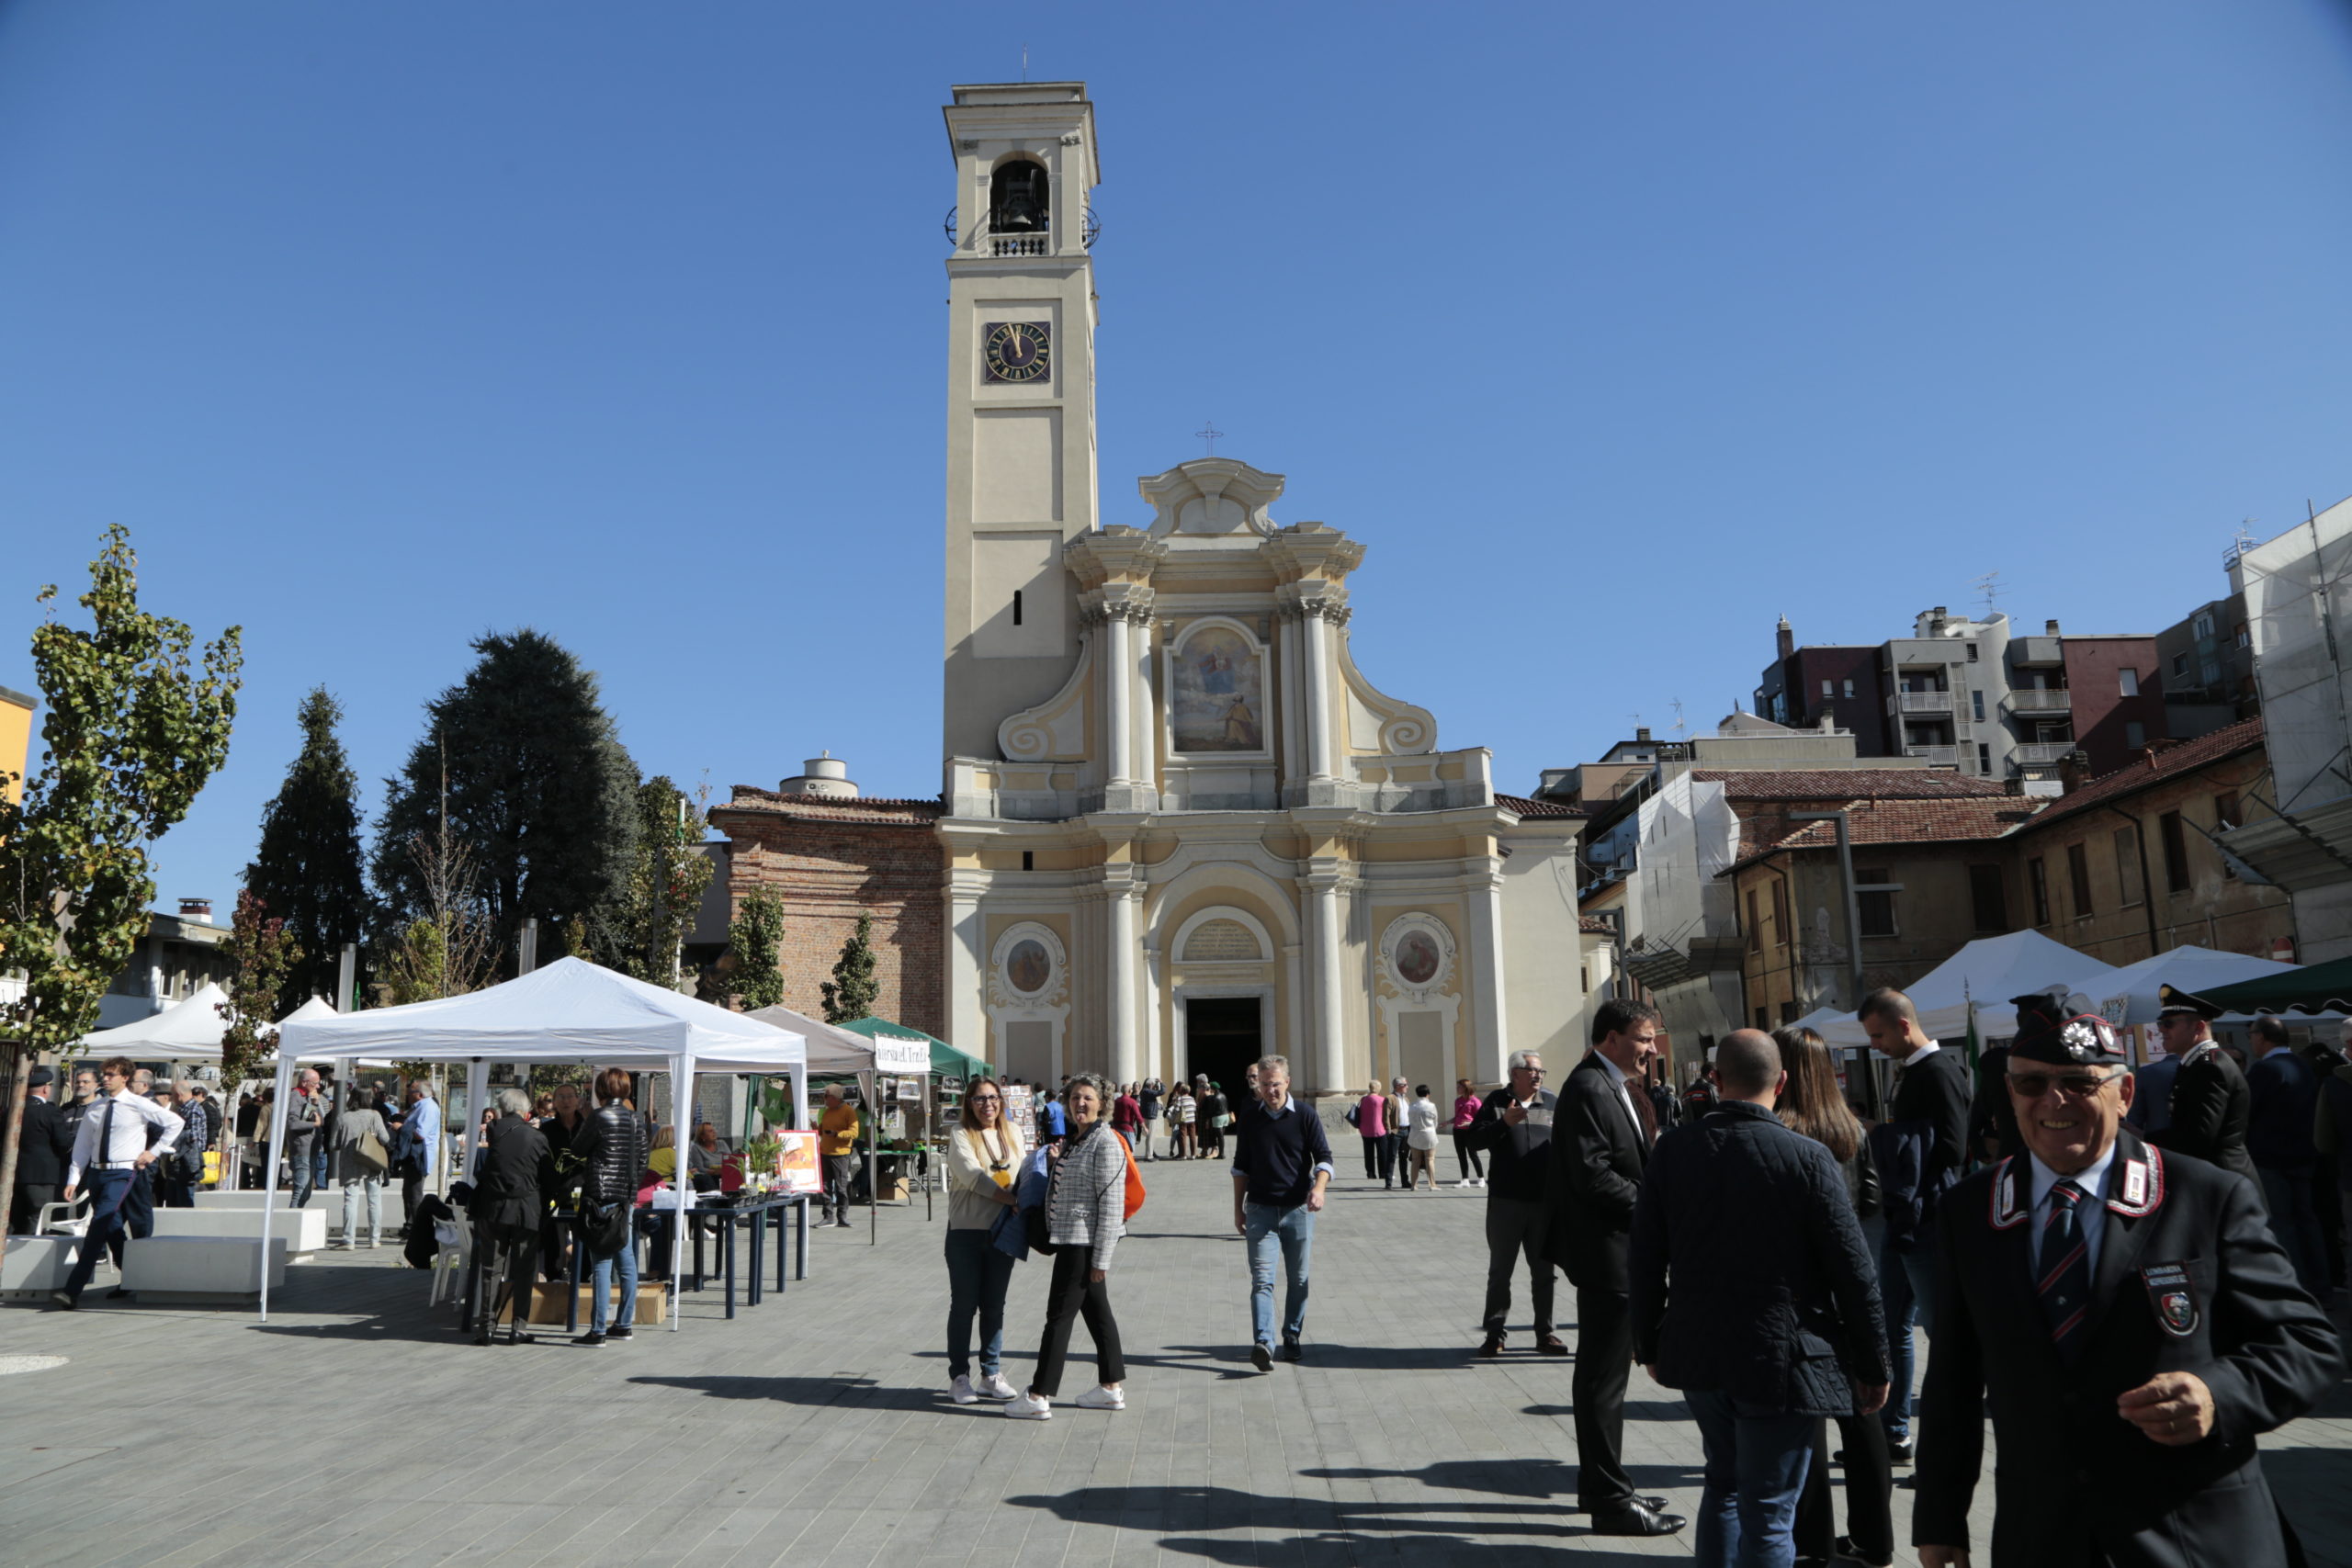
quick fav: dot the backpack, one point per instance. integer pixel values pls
(1135, 1178)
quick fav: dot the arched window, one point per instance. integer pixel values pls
(1018, 199)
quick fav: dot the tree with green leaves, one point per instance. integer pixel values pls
(642, 932)
(524, 769)
(262, 952)
(308, 868)
(755, 937)
(850, 994)
(132, 731)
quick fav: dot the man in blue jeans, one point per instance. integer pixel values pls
(1753, 1294)
(1281, 1162)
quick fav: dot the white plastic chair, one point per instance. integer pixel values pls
(452, 1258)
(64, 1219)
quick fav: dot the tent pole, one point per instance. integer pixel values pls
(873, 1160)
(682, 1088)
(269, 1171)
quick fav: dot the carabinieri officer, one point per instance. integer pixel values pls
(2134, 1322)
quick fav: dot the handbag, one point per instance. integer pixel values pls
(1355, 1115)
(369, 1151)
(604, 1227)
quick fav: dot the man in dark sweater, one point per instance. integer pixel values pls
(1514, 1125)
(1922, 1149)
(2283, 1094)
(1281, 1162)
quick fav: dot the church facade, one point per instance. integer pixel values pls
(1180, 827)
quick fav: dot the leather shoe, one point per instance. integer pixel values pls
(1491, 1349)
(1261, 1358)
(1553, 1345)
(1637, 1519)
(1291, 1349)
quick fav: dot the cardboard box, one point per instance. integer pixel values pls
(546, 1305)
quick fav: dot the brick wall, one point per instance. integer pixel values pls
(830, 862)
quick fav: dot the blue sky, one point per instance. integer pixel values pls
(1615, 332)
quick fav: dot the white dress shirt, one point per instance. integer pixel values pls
(1624, 1094)
(126, 1129)
(2090, 1210)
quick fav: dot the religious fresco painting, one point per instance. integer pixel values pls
(1027, 967)
(1417, 958)
(1219, 701)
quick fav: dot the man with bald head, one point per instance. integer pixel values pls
(1746, 1261)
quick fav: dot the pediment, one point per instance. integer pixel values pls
(1210, 498)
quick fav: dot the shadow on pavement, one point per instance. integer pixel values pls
(1635, 1410)
(1541, 1478)
(862, 1392)
(1368, 1358)
(1325, 1530)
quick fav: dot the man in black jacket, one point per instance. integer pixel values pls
(2135, 1324)
(1921, 1149)
(1514, 1125)
(1754, 1294)
(44, 1144)
(1602, 1130)
(2210, 1101)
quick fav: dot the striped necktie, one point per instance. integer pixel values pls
(2066, 1282)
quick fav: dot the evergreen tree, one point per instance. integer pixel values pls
(850, 994)
(640, 933)
(307, 870)
(756, 938)
(262, 952)
(536, 789)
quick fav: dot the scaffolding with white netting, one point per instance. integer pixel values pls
(2298, 614)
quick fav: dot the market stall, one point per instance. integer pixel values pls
(572, 1011)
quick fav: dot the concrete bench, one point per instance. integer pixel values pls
(165, 1267)
(327, 1198)
(304, 1230)
(36, 1265)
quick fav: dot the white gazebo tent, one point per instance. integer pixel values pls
(570, 1011)
(187, 1031)
(1975, 984)
(2130, 995)
(835, 1052)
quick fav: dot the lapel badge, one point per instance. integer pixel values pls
(2174, 1298)
(2135, 1183)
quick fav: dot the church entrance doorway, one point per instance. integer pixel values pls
(1221, 1038)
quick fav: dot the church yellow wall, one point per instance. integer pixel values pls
(15, 740)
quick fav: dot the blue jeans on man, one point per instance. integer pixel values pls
(600, 1285)
(978, 1272)
(301, 1175)
(1756, 1463)
(108, 1190)
(1897, 1297)
(1271, 1230)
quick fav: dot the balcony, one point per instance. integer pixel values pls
(1935, 756)
(1918, 702)
(2042, 754)
(2024, 700)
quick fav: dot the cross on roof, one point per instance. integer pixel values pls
(1208, 433)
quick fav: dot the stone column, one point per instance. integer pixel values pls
(1485, 895)
(1124, 1004)
(1322, 887)
(1315, 691)
(967, 1024)
(1118, 689)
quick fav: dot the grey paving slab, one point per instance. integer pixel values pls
(356, 1429)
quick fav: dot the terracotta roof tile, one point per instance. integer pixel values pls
(836, 809)
(1521, 806)
(1849, 784)
(1593, 925)
(2155, 767)
(1877, 822)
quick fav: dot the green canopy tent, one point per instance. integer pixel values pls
(944, 1058)
(2316, 990)
(945, 1061)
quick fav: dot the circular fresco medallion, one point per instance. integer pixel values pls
(1417, 958)
(1027, 967)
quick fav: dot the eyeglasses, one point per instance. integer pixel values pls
(987, 1099)
(2082, 1086)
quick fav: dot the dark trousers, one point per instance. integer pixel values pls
(1604, 1366)
(139, 1208)
(176, 1186)
(1371, 1158)
(26, 1204)
(1467, 1157)
(1869, 1488)
(839, 1171)
(2327, 1200)
(1071, 1296)
(1515, 1230)
(1389, 1146)
(504, 1255)
(979, 1272)
(109, 1191)
(411, 1193)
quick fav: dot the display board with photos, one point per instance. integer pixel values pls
(1021, 1110)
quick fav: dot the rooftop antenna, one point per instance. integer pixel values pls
(1680, 727)
(1025, 63)
(1208, 433)
(1990, 588)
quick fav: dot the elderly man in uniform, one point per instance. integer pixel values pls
(2136, 1322)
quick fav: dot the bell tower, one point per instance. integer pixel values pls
(1020, 458)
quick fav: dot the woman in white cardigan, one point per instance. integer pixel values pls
(984, 1157)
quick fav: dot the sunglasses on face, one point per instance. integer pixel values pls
(985, 1099)
(2082, 1086)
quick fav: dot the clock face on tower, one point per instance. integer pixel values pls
(1016, 351)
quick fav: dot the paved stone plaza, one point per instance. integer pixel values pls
(356, 1429)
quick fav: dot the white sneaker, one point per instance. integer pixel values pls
(960, 1390)
(1101, 1398)
(1031, 1407)
(995, 1387)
